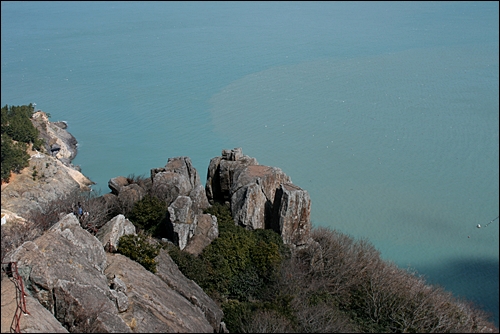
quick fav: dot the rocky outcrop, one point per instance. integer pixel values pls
(206, 231)
(177, 178)
(117, 183)
(49, 175)
(220, 173)
(182, 220)
(292, 210)
(261, 197)
(64, 270)
(58, 141)
(252, 195)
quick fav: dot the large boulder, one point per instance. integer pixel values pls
(169, 185)
(248, 207)
(64, 270)
(252, 195)
(129, 195)
(177, 178)
(183, 166)
(221, 172)
(199, 199)
(109, 235)
(261, 197)
(155, 307)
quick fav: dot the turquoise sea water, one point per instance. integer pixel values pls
(386, 113)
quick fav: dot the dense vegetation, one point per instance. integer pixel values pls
(17, 133)
(262, 286)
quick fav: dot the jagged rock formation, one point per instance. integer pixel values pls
(82, 284)
(261, 197)
(64, 270)
(69, 273)
(58, 142)
(178, 184)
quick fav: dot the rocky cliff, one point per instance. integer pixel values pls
(49, 174)
(76, 281)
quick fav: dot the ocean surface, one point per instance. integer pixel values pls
(387, 113)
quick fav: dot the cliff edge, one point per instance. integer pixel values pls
(49, 174)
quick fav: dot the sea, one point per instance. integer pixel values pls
(387, 113)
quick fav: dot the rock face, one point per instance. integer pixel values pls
(261, 197)
(220, 173)
(178, 184)
(292, 210)
(177, 178)
(75, 284)
(154, 307)
(39, 320)
(207, 230)
(64, 270)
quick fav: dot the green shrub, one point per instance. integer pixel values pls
(139, 248)
(150, 214)
(13, 156)
(239, 264)
(17, 132)
(191, 266)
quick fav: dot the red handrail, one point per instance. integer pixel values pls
(20, 294)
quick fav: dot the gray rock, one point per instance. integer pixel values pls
(121, 300)
(64, 270)
(129, 195)
(182, 220)
(207, 230)
(183, 166)
(248, 207)
(252, 195)
(109, 235)
(199, 199)
(292, 214)
(212, 187)
(154, 307)
(39, 319)
(81, 307)
(221, 173)
(169, 185)
(232, 155)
